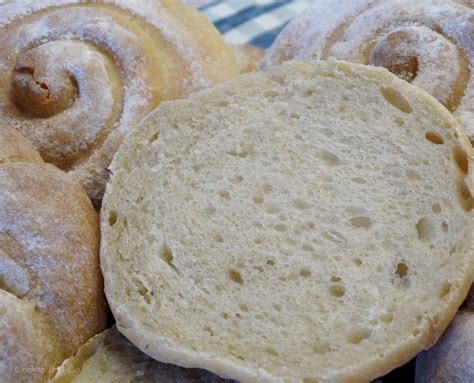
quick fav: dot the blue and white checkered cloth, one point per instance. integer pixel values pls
(257, 22)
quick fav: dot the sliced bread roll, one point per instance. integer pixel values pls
(298, 225)
(110, 358)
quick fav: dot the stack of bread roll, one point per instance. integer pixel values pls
(309, 222)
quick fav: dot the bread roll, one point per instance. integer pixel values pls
(51, 289)
(110, 358)
(248, 56)
(77, 76)
(426, 42)
(15, 148)
(302, 224)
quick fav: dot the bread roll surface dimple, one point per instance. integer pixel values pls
(49, 268)
(109, 358)
(300, 224)
(15, 148)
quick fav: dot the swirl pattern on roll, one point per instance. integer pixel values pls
(426, 42)
(76, 77)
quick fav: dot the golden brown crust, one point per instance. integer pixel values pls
(15, 148)
(118, 61)
(49, 261)
(248, 56)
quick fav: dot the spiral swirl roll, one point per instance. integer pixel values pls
(426, 42)
(76, 77)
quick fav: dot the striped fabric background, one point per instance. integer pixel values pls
(256, 22)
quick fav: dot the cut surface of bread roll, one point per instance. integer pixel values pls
(110, 358)
(302, 224)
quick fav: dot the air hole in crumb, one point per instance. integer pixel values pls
(445, 289)
(311, 225)
(399, 121)
(271, 93)
(444, 226)
(358, 261)
(258, 240)
(244, 307)
(277, 307)
(143, 291)
(257, 198)
(329, 158)
(465, 196)
(259, 268)
(386, 318)
(416, 332)
(359, 180)
(395, 98)
(270, 262)
(224, 315)
(222, 103)
(337, 290)
(153, 138)
(224, 194)
(358, 335)
(235, 277)
(304, 272)
(166, 255)
(281, 227)
(321, 348)
(309, 92)
(461, 160)
(402, 269)
(218, 238)
(335, 279)
(271, 208)
(334, 236)
(361, 222)
(271, 351)
(300, 204)
(327, 132)
(426, 229)
(237, 179)
(436, 208)
(112, 218)
(434, 138)
(307, 247)
(209, 330)
(412, 175)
